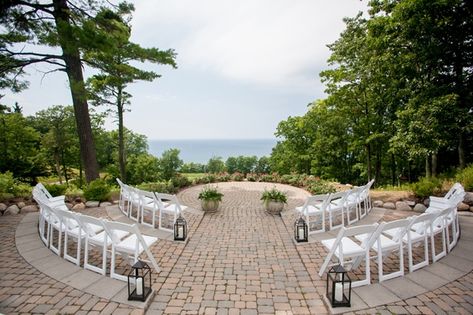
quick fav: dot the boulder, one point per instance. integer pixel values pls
(463, 207)
(402, 206)
(420, 208)
(13, 209)
(468, 198)
(92, 204)
(411, 203)
(78, 199)
(105, 204)
(30, 208)
(3, 207)
(69, 205)
(21, 204)
(426, 202)
(378, 203)
(471, 209)
(79, 206)
(389, 205)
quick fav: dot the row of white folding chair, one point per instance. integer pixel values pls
(122, 238)
(341, 202)
(388, 237)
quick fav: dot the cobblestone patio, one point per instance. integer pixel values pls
(239, 260)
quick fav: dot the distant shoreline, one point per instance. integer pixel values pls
(201, 150)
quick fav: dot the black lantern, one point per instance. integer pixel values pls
(301, 230)
(139, 276)
(180, 229)
(338, 287)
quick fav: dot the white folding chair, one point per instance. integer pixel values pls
(343, 247)
(148, 203)
(440, 226)
(72, 229)
(133, 245)
(315, 206)
(384, 245)
(366, 195)
(353, 203)
(45, 218)
(337, 203)
(124, 200)
(169, 204)
(417, 232)
(40, 193)
(95, 237)
(134, 202)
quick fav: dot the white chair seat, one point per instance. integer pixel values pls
(98, 238)
(350, 248)
(129, 244)
(172, 208)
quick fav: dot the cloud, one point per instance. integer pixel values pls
(266, 42)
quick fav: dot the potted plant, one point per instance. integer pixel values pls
(274, 200)
(210, 198)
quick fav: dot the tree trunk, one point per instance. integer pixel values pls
(461, 151)
(428, 169)
(434, 164)
(393, 169)
(121, 138)
(368, 161)
(73, 63)
(378, 167)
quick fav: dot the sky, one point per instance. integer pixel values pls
(243, 66)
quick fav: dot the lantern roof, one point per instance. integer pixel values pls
(139, 265)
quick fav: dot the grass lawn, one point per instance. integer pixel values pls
(192, 176)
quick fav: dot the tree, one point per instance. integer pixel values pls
(215, 165)
(170, 163)
(118, 70)
(66, 24)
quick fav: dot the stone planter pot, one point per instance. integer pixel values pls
(210, 205)
(274, 207)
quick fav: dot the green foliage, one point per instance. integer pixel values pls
(237, 177)
(426, 187)
(7, 185)
(465, 177)
(274, 195)
(320, 187)
(97, 190)
(142, 168)
(192, 168)
(170, 163)
(56, 189)
(180, 181)
(161, 187)
(215, 165)
(210, 193)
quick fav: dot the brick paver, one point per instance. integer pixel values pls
(239, 260)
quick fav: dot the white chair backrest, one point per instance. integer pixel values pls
(357, 230)
(425, 220)
(400, 226)
(43, 190)
(86, 222)
(147, 194)
(457, 188)
(317, 200)
(110, 227)
(443, 215)
(339, 198)
(69, 219)
(168, 198)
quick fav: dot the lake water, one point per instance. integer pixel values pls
(200, 151)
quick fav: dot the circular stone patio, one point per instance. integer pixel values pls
(239, 260)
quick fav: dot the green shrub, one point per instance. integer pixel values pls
(426, 187)
(161, 187)
(7, 185)
(180, 181)
(56, 189)
(320, 187)
(237, 177)
(252, 177)
(465, 177)
(97, 190)
(22, 190)
(223, 177)
(268, 178)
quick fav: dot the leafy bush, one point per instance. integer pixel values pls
(162, 187)
(273, 195)
(320, 187)
(180, 181)
(252, 177)
(97, 190)
(267, 178)
(465, 177)
(210, 193)
(426, 187)
(7, 185)
(223, 177)
(56, 189)
(237, 177)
